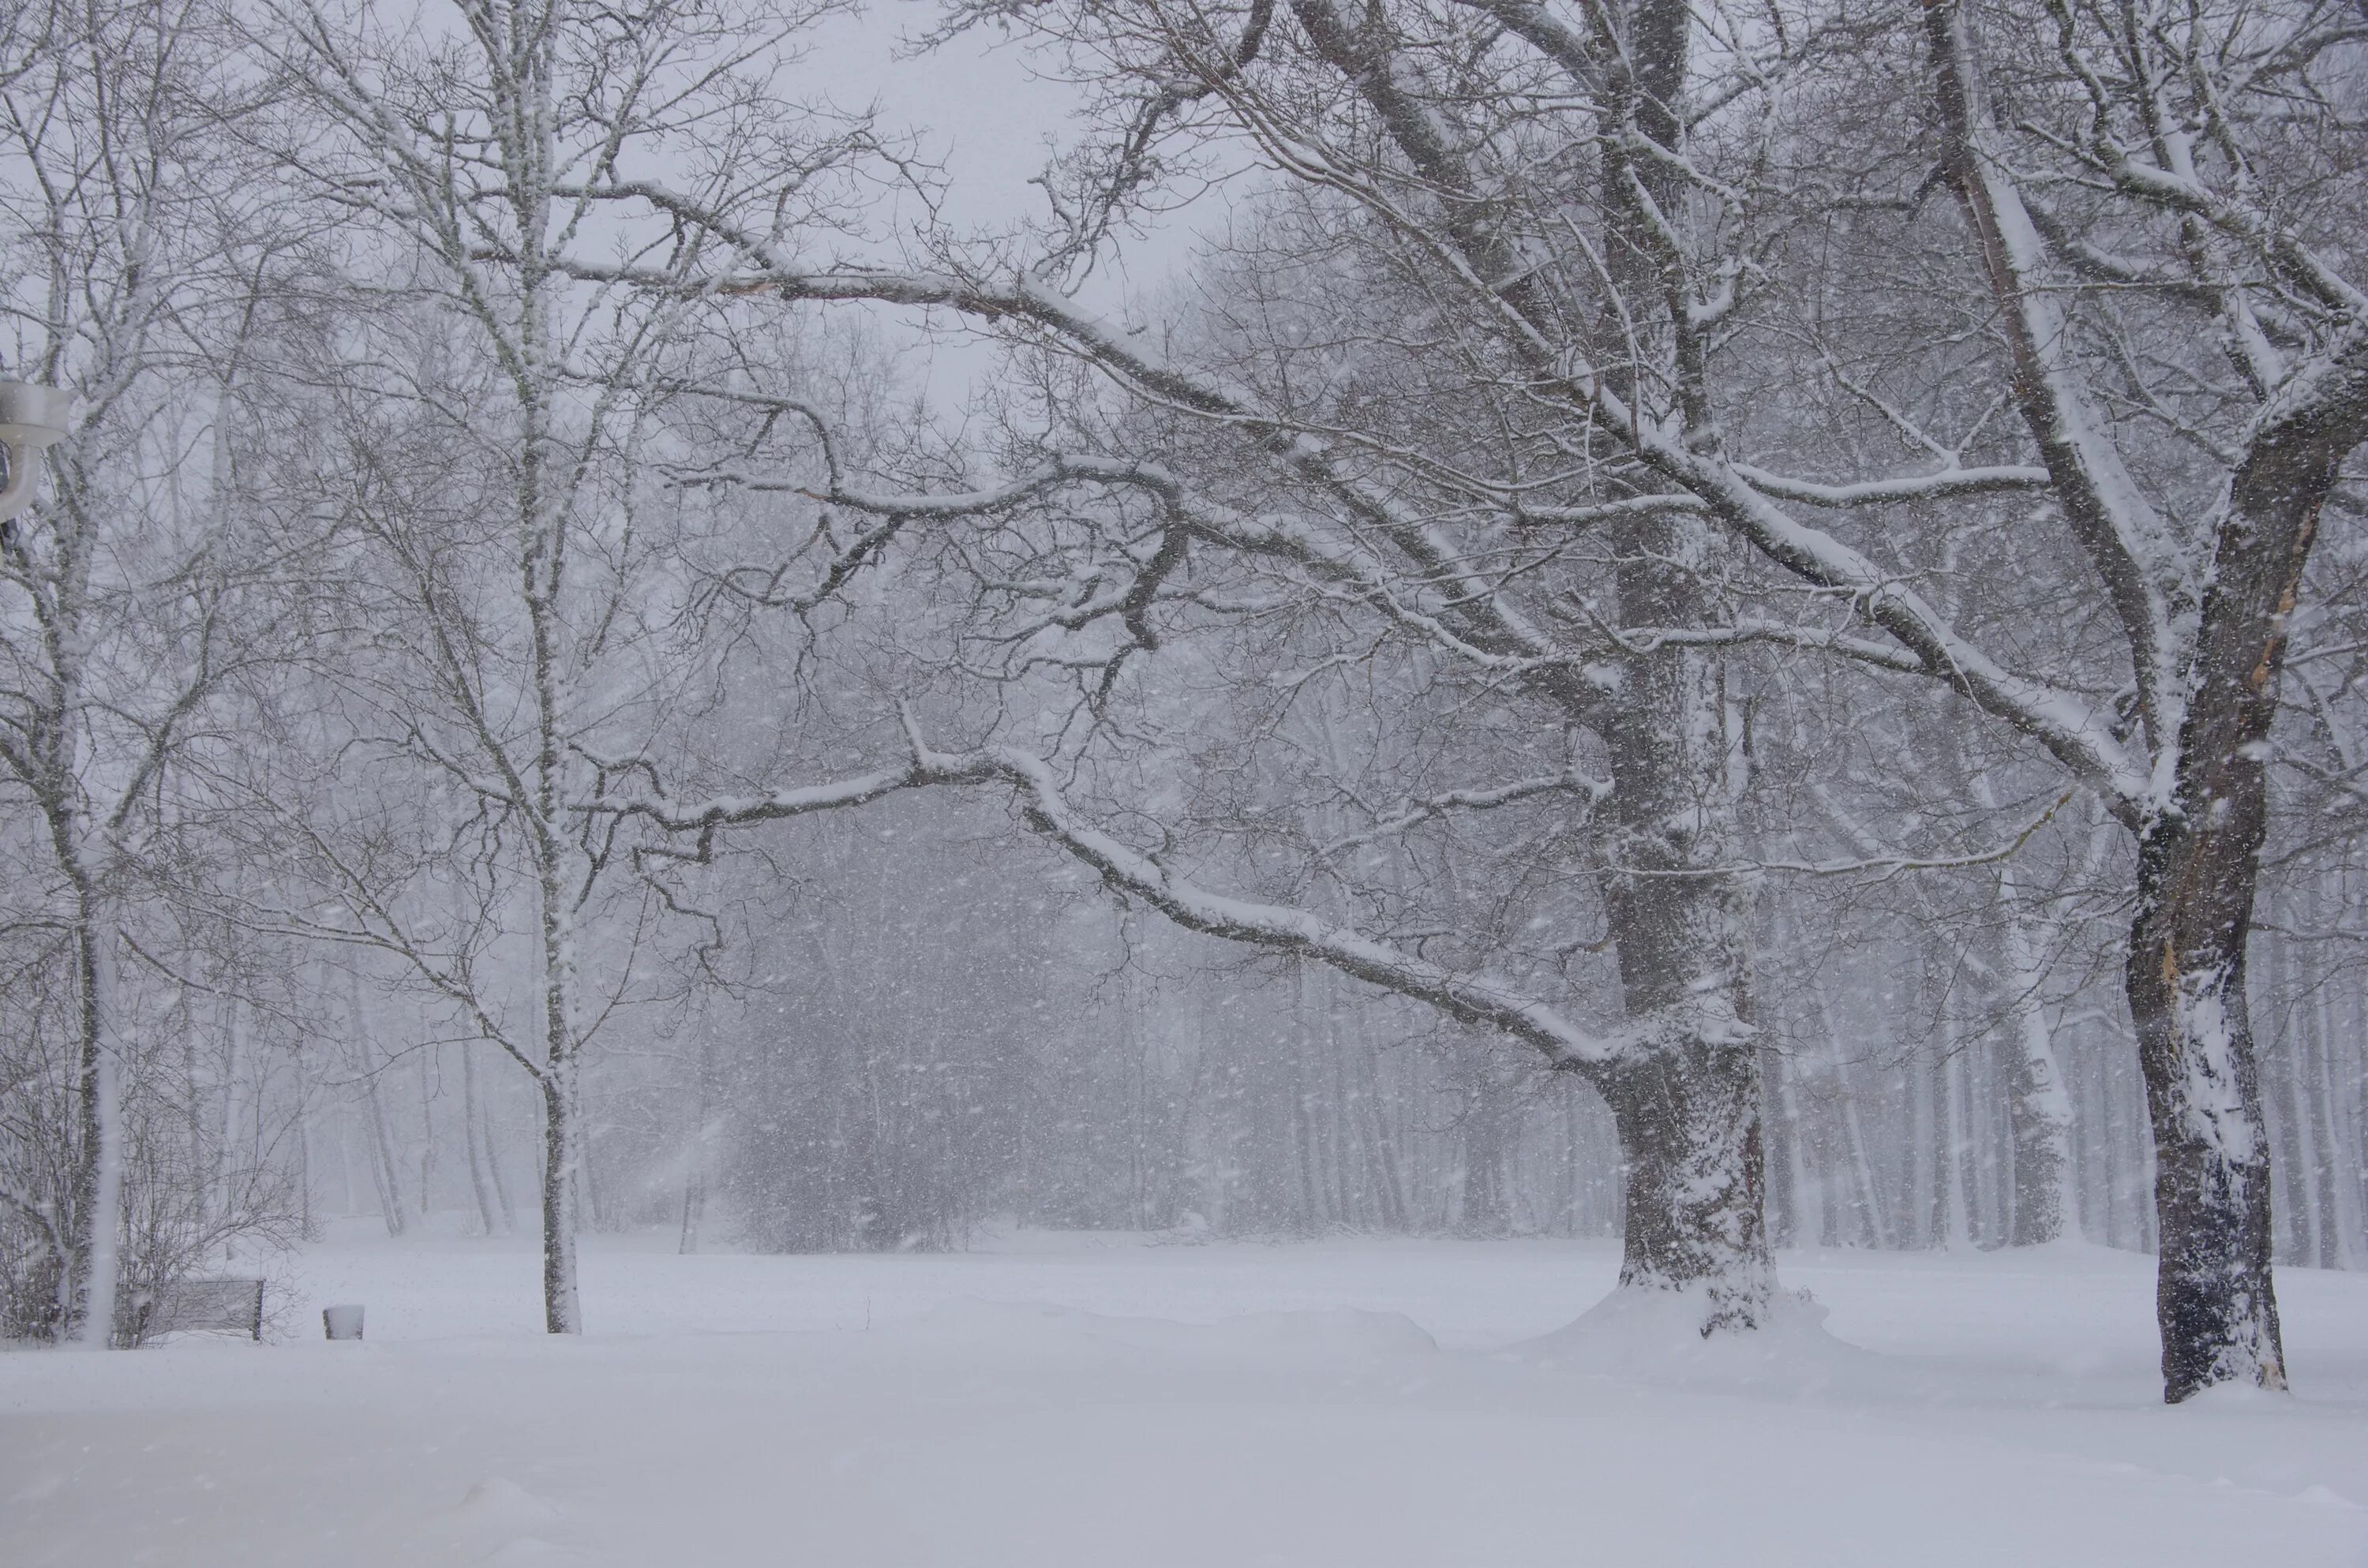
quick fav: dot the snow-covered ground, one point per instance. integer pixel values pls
(1050, 1401)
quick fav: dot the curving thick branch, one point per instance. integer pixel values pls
(1471, 998)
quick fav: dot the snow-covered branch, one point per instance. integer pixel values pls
(1469, 997)
(1569, 781)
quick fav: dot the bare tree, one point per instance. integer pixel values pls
(534, 594)
(136, 617)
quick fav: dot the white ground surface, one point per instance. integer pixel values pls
(1100, 1403)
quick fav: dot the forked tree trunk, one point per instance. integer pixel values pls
(2185, 976)
(2198, 851)
(2199, 867)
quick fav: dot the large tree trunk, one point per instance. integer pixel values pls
(1686, 1102)
(2207, 713)
(2199, 863)
(2185, 978)
(1689, 1144)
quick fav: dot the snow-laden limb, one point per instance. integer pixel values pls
(1568, 782)
(2076, 733)
(1483, 625)
(1469, 997)
(1745, 498)
(1740, 495)
(1485, 618)
(705, 817)
(1944, 484)
(2146, 572)
(1471, 629)
(2181, 191)
(1283, 537)
(1472, 998)
(1860, 650)
(2321, 403)
(1878, 865)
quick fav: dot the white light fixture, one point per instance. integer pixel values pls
(31, 417)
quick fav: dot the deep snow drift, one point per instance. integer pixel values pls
(1049, 1401)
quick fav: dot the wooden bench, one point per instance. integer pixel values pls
(185, 1306)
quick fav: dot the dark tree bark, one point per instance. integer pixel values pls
(1687, 1104)
(2199, 865)
(1691, 1181)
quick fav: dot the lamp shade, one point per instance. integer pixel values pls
(32, 416)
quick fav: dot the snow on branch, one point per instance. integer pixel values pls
(2076, 733)
(1863, 650)
(1474, 998)
(1877, 864)
(1947, 481)
(2138, 557)
(1486, 618)
(1483, 624)
(1359, 574)
(1471, 998)
(1569, 781)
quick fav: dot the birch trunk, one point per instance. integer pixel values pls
(2040, 1107)
(561, 1311)
(89, 1282)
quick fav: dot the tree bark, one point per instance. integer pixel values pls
(560, 1310)
(1691, 1180)
(2039, 1107)
(1686, 1103)
(87, 1283)
(2199, 864)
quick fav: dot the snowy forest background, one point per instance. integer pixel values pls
(490, 501)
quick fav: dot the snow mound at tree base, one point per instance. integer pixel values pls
(1655, 1337)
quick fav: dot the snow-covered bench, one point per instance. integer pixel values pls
(212, 1306)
